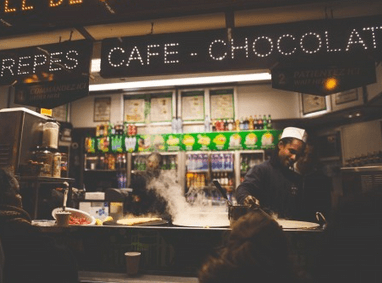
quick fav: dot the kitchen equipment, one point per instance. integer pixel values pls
(157, 222)
(21, 133)
(66, 191)
(50, 132)
(234, 211)
(44, 157)
(297, 225)
(207, 220)
(222, 191)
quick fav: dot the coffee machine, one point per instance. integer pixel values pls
(21, 131)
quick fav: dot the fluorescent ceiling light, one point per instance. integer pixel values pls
(95, 66)
(182, 81)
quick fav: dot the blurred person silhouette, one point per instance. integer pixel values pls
(30, 257)
(272, 184)
(257, 250)
(352, 248)
(144, 199)
(316, 187)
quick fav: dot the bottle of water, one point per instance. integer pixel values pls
(174, 125)
(207, 124)
(179, 125)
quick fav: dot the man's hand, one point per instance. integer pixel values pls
(251, 201)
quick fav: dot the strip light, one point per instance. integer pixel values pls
(182, 81)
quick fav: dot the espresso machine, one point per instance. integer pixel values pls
(21, 132)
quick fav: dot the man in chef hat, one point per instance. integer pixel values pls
(273, 184)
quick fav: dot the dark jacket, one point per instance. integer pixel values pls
(276, 187)
(316, 195)
(145, 200)
(29, 256)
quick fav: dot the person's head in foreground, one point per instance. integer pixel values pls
(256, 251)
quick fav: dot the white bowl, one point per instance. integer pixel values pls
(76, 213)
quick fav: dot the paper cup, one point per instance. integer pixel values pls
(62, 218)
(132, 263)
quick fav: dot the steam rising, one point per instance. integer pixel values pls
(199, 213)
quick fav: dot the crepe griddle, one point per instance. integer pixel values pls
(151, 223)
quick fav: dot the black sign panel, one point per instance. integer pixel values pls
(324, 80)
(53, 62)
(259, 47)
(51, 94)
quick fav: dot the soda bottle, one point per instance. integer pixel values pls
(265, 122)
(269, 122)
(213, 125)
(260, 123)
(237, 124)
(246, 123)
(241, 124)
(250, 123)
(172, 163)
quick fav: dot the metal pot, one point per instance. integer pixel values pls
(236, 211)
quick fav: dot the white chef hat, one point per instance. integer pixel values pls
(297, 133)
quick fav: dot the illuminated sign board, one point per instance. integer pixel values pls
(259, 47)
(54, 62)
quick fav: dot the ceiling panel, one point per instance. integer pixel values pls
(39, 39)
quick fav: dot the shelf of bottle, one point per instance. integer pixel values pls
(137, 171)
(221, 170)
(206, 187)
(105, 170)
(198, 171)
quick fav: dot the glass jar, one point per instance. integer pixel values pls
(45, 158)
(50, 133)
(56, 165)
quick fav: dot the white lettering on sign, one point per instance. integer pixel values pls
(270, 46)
(233, 48)
(287, 44)
(167, 53)
(355, 38)
(149, 53)
(319, 41)
(21, 64)
(55, 61)
(7, 64)
(116, 59)
(279, 44)
(213, 57)
(29, 64)
(38, 61)
(135, 57)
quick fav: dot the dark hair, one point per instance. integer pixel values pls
(256, 249)
(9, 187)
